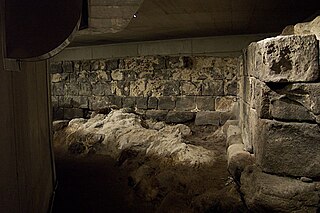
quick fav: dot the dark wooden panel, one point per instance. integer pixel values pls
(9, 201)
(32, 137)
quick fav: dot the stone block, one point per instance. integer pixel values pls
(117, 75)
(225, 103)
(307, 94)
(227, 124)
(233, 130)
(272, 193)
(235, 139)
(288, 110)
(286, 59)
(71, 89)
(120, 88)
(186, 103)
(74, 101)
(55, 67)
(85, 66)
(137, 88)
(171, 88)
(85, 89)
(60, 77)
(115, 101)
(161, 74)
(142, 102)
(205, 103)
(291, 149)
(76, 66)
(159, 63)
(212, 87)
(70, 113)
(207, 118)
(98, 65)
(128, 102)
(152, 103)
(112, 64)
(190, 88)
(231, 87)
(67, 66)
(58, 89)
(101, 89)
(129, 75)
(98, 102)
(238, 160)
(103, 76)
(179, 117)
(166, 103)
(173, 62)
(225, 116)
(159, 115)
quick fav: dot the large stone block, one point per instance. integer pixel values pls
(99, 102)
(286, 109)
(185, 103)
(307, 94)
(288, 148)
(152, 103)
(238, 159)
(207, 118)
(205, 103)
(270, 193)
(179, 117)
(210, 87)
(166, 103)
(225, 103)
(285, 59)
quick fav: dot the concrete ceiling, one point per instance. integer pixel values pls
(171, 19)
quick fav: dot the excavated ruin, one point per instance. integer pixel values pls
(176, 168)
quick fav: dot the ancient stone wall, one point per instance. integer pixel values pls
(171, 88)
(280, 123)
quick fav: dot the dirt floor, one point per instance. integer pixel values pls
(135, 182)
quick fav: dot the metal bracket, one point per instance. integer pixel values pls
(12, 65)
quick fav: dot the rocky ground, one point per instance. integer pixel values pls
(138, 165)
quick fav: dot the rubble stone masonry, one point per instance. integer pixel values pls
(153, 85)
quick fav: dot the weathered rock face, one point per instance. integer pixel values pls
(184, 83)
(285, 59)
(270, 193)
(173, 167)
(112, 134)
(288, 148)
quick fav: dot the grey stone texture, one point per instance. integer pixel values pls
(270, 193)
(180, 117)
(238, 160)
(207, 118)
(175, 83)
(285, 59)
(288, 148)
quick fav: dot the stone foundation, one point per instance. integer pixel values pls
(279, 122)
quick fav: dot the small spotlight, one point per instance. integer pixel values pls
(134, 15)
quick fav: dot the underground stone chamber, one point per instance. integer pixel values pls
(188, 133)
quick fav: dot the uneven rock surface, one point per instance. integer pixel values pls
(285, 59)
(270, 193)
(177, 168)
